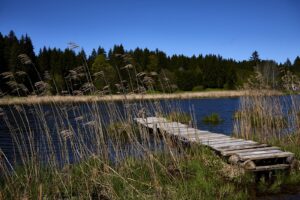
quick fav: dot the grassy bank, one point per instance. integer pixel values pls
(93, 98)
(196, 174)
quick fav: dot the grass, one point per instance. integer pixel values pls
(122, 132)
(179, 117)
(259, 120)
(154, 176)
(213, 119)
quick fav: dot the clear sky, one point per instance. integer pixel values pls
(231, 28)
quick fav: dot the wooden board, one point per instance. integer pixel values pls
(199, 139)
(258, 152)
(266, 156)
(271, 167)
(223, 141)
(240, 147)
(177, 131)
(206, 137)
(233, 144)
(231, 152)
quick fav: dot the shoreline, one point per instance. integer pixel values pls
(131, 97)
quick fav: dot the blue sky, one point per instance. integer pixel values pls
(231, 28)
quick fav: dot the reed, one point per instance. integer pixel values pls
(264, 117)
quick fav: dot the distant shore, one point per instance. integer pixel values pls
(116, 97)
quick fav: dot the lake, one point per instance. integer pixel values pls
(36, 120)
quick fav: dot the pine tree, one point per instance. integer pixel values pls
(296, 64)
(287, 63)
(255, 57)
(101, 51)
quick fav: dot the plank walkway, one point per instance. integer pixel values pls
(248, 154)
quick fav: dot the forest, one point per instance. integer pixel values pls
(71, 71)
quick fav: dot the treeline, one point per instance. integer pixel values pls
(54, 70)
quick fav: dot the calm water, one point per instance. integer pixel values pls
(199, 108)
(56, 118)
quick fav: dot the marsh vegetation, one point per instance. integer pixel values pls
(102, 154)
(213, 119)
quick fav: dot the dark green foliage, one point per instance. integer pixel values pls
(296, 65)
(198, 88)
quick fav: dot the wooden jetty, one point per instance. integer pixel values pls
(250, 155)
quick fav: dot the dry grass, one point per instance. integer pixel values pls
(130, 97)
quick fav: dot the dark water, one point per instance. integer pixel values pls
(199, 108)
(34, 121)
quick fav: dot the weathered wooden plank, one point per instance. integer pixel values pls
(171, 124)
(220, 139)
(232, 144)
(198, 136)
(195, 140)
(172, 131)
(155, 120)
(216, 138)
(184, 131)
(210, 135)
(199, 139)
(259, 152)
(189, 131)
(171, 127)
(231, 152)
(240, 147)
(224, 141)
(271, 167)
(225, 138)
(267, 156)
(150, 120)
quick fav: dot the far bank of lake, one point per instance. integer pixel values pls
(132, 97)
